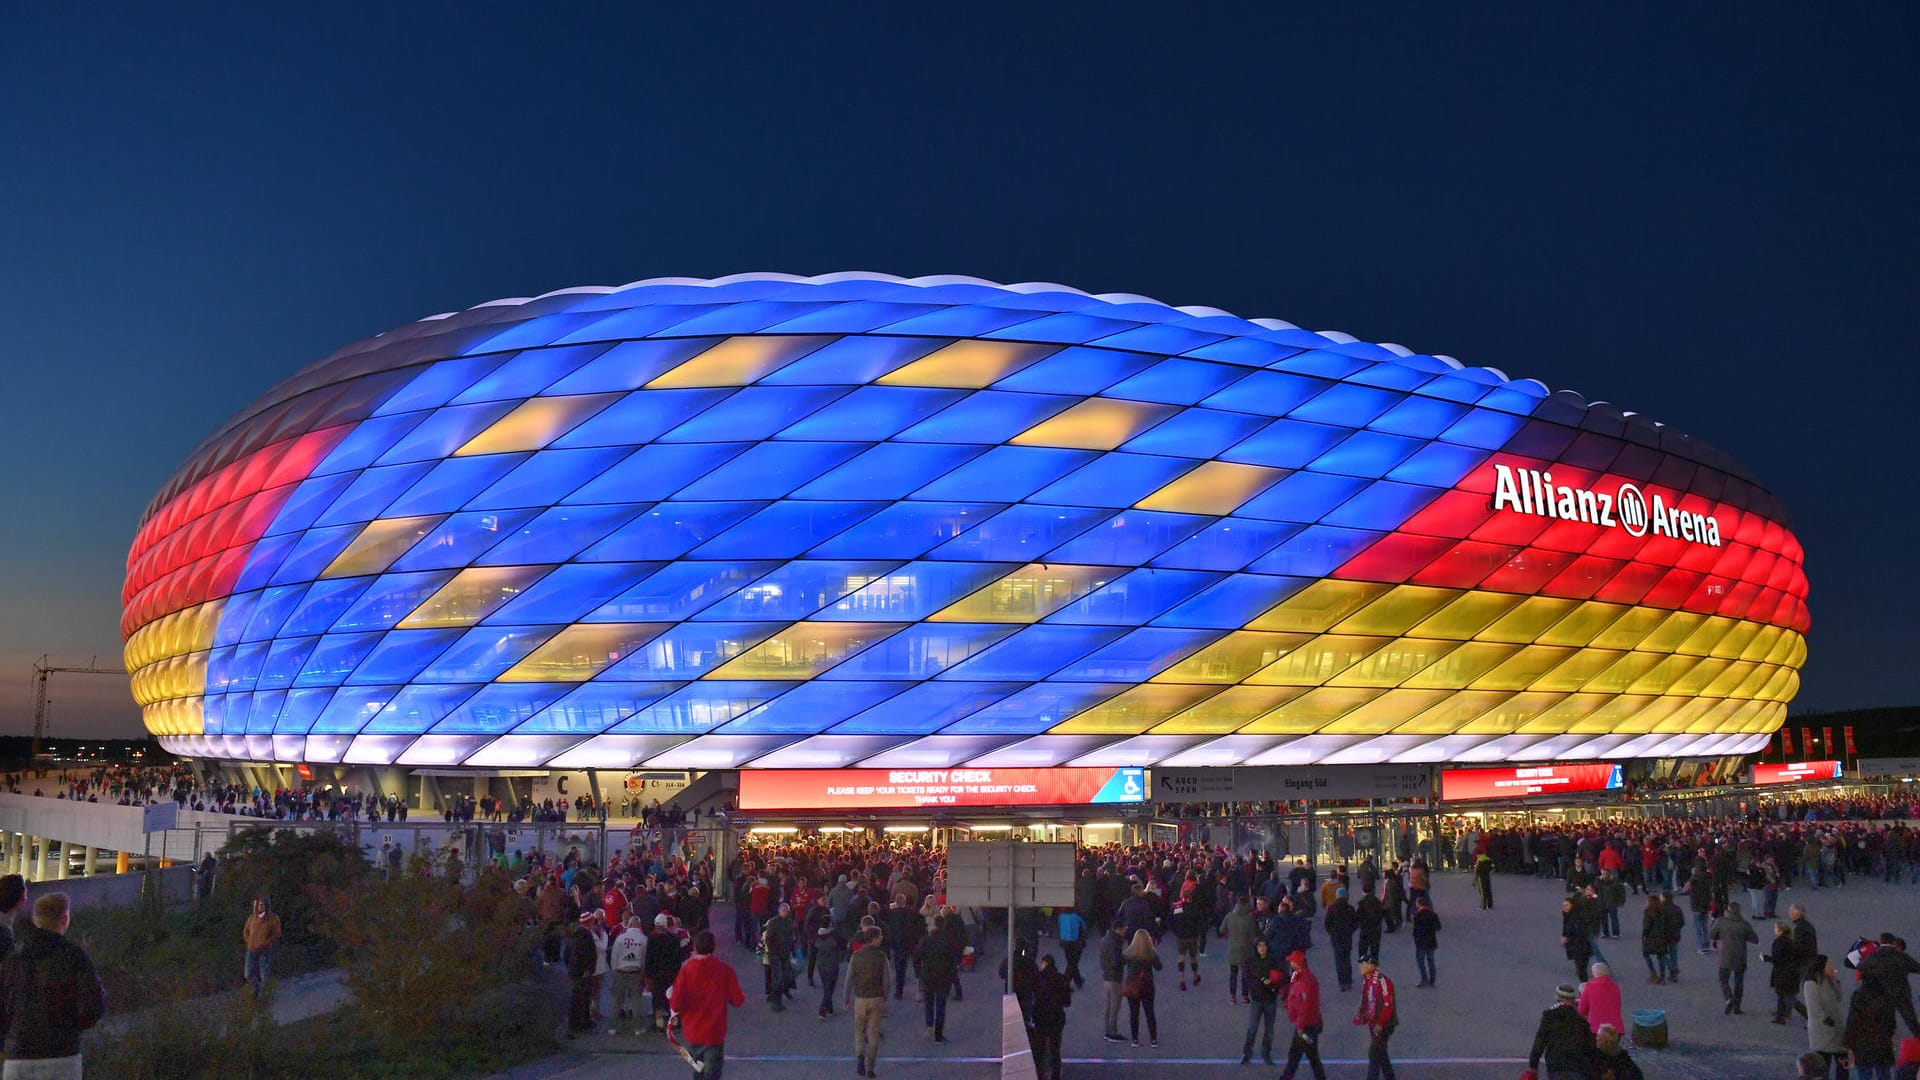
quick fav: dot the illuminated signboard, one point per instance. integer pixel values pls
(873, 789)
(1465, 784)
(1794, 772)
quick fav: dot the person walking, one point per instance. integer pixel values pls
(1372, 915)
(1611, 1060)
(49, 994)
(1563, 1041)
(1599, 1000)
(1073, 942)
(261, 935)
(1731, 934)
(1826, 1016)
(1483, 879)
(1869, 1034)
(1378, 1014)
(1238, 926)
(629, 964)
(1674, 922)
(938, 968)
(1113, 966)
(1303, 1012)
(1789, 970)
(1426, 941)
(1052, 995)
(866, 995)
(1268, 981)
(1653, 939)
(1341, 923)
(705, 988)
(1574, 938)
(829, 952)
(1142, 960)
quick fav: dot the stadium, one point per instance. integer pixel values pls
(939, 523)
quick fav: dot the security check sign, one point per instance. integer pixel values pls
(999, 873)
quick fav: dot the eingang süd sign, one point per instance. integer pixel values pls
(1280, 783)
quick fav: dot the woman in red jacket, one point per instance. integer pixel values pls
(701, 994)
(1303, 1011)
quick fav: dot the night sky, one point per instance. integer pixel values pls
(1705, 214)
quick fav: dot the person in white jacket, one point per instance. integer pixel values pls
(629, 974)
(1826, 1013)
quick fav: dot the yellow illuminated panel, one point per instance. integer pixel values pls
(1758, 646)
(1624, 673)
(535, 423)
(1386, 712)
(1317, 661)
(1734, 643)
(1572, 712)
(1728, 680)
(1095, 424)
(1133, 711)
(1708, 634)
(379, 544)
(472, 595)
(803, 650)
(967, 364)
(1584, 624)
(737, 361)
(1508, 716)
(1578, 669)
(1629, 629)
(1524, 624)
(1672, 632)
(1702, 673)
(1233, 657)
(1395, 663)
(1029, 594)
(1466, 616)
(1522, 669)
(1229, 710)
(1311, 711)
(1452, 711)
(1461, 666)
(581, 651)
(1397, 611)
(1319, 605)
(1215, 487)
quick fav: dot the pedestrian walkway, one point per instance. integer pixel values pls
(300, 998)
(1497, 971)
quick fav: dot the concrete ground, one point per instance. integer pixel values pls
(1497, 969)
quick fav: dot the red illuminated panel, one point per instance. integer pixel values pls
(1794, 772)
(1462, 785)
(872, 789)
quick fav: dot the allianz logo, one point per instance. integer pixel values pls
(1531, 491)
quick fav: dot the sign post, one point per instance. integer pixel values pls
(1010, 874)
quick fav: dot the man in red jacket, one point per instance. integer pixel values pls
(1303, 1011)
(701, 993)
(1377, 1015)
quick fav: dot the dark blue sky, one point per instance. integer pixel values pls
(1704, 214)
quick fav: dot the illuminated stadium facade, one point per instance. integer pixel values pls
(856, 520)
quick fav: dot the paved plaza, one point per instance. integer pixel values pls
(1497, 972)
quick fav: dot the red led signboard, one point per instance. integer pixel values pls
(1466, 784)
(1794, 772)
(872, 789)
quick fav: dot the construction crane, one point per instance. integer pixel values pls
(43, 668)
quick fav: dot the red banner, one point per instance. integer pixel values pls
(1826, 740)
(865, 789)
(1468, 784)
(1806, 740)
(1794, 772)
(1851, 752)
(1786, 742)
